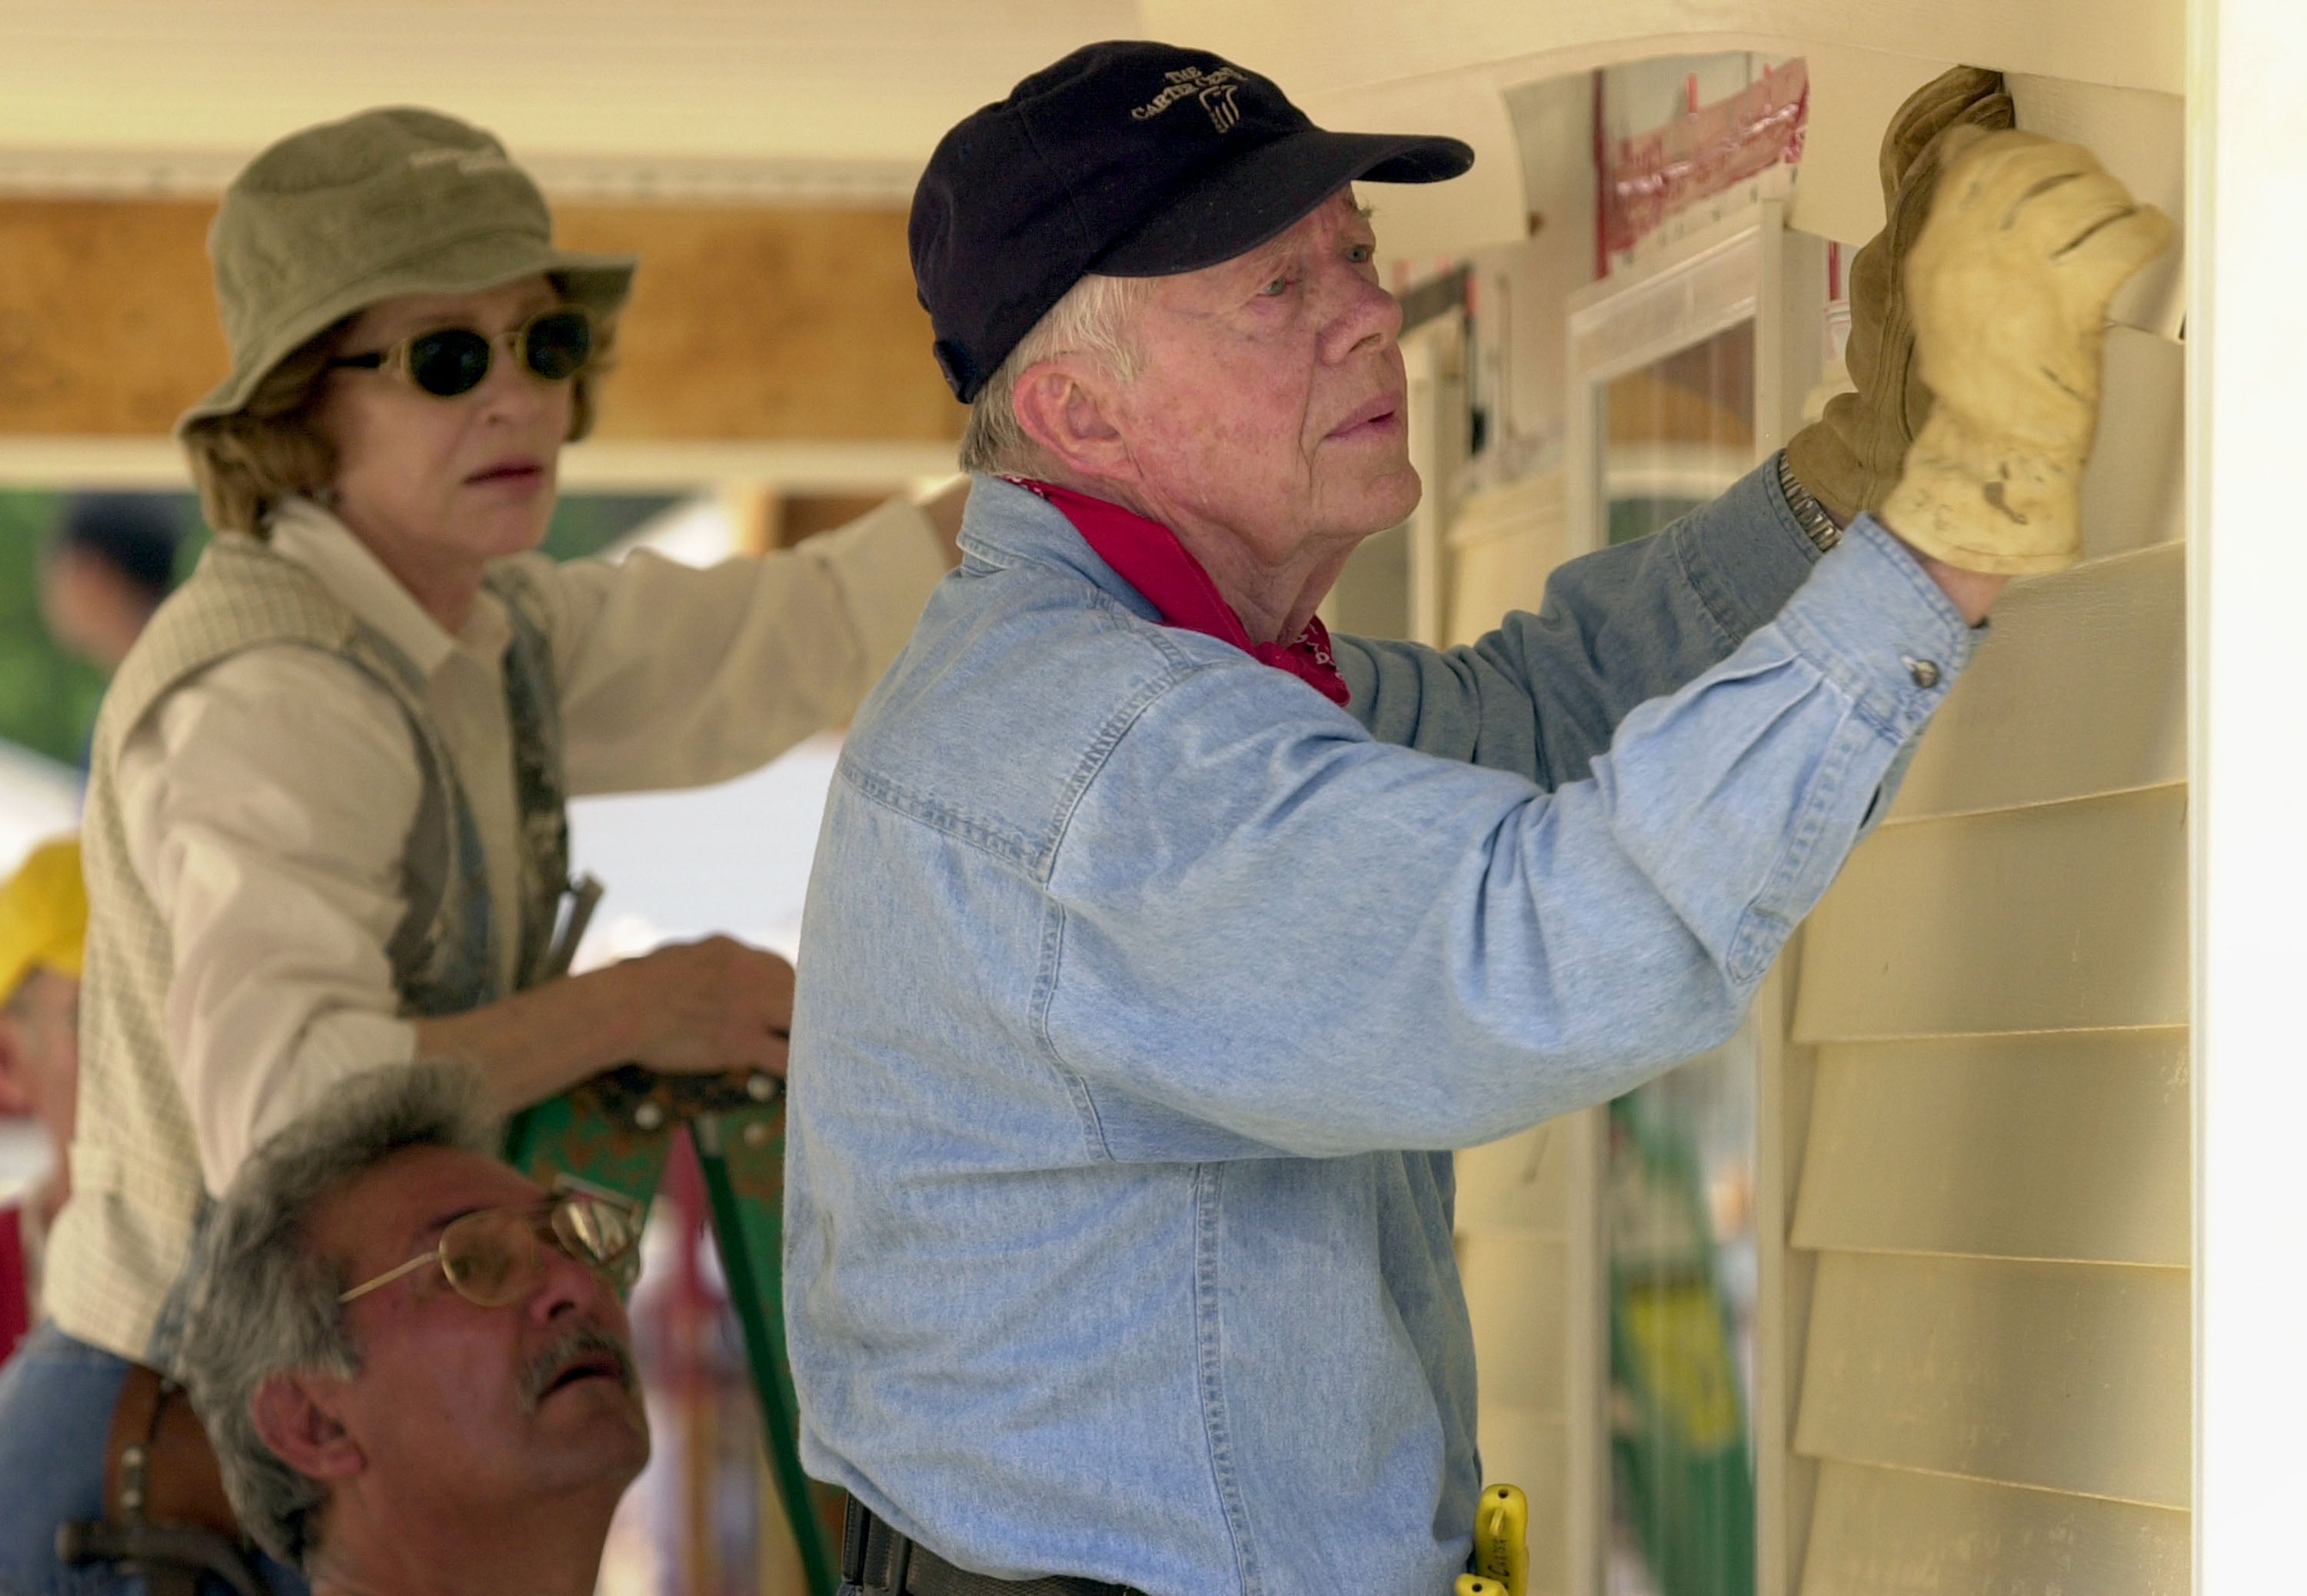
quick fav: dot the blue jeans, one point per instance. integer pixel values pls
(56, 1397)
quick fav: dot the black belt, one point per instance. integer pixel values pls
(879, 1560)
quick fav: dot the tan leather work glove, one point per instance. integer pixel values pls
(2010, 282)
(1850, 458)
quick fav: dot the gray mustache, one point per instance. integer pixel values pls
(578, 1342)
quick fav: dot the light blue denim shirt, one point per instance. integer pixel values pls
(1145, 992)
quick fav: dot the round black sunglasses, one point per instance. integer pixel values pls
(554, 345)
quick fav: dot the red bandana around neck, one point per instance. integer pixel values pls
(1148, 555)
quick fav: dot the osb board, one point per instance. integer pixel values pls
(2064, 1376)
(746, 323)
(2069, 1147)
(2080, 688)
(1886, 1532)
(107, 322)
(1521, 1182)
(1517, 1292)
(2066, 916)
(768, 324)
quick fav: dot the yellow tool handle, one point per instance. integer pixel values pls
(1474, 1584)
(1501, 1543)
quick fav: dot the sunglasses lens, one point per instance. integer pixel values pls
(490, 1257)
(559, 343)
(450, 362)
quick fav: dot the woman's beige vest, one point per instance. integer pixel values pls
(119, 1249)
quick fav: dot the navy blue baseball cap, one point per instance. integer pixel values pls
(1128, 158)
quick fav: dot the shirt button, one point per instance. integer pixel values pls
(1926, 672)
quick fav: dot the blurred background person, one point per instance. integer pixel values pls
(110, 563)
(43, 925)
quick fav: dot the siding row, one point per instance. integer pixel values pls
(1991, 1226)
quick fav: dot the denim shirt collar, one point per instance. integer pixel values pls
(1006, 526)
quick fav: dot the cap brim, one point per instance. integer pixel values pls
(1231, 210)
(601, 283)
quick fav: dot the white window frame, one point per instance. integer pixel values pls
(1745, 268)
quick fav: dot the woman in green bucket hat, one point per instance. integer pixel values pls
(325, 827)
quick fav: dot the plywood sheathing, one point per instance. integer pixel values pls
(746, 323)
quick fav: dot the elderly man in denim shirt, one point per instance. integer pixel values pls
(1161, 949)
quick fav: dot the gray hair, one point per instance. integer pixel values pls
(1095, 318)
(262, 1304)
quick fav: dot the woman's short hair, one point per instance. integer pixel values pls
(271, 448)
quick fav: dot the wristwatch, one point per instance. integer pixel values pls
(1816, 524)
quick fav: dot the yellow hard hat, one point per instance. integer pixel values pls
(43, 914)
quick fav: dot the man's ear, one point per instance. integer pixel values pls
(1066, 405)
(296, 1416)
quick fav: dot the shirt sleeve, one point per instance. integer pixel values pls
(1543, 693)
(267, 805)
(672, 676)
(1322, 945)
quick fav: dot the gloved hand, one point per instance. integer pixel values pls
(2027, 242)
(1850, 458)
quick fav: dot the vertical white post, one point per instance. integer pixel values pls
(2247, 343)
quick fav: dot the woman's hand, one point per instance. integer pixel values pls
(704, 1008)
(699, 1008)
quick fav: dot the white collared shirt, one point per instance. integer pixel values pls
(267, 802)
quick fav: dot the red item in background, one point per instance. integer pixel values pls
(1649, 177)
(16, 1284)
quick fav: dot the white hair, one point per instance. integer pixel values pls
(1096, 318)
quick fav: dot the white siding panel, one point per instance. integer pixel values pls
(1506, 541)
(826, 80)
(1317, 47)
(2081, 689)
(2140, 137)
(1496, 575)
(2069, 1147)
(2071, 1378)
(1886, 1532)
(2133, 487)
(1853, 95)
(1517, 1286)
(2068, 917)
(1521, 1182)
(1528, 1446)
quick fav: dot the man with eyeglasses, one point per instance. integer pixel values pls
(413, 1361)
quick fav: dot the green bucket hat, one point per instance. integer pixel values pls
(396, 200)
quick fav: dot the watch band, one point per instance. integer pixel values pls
(1816, 524)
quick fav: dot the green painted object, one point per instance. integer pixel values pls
(1678, 1445)
(616, 1131)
